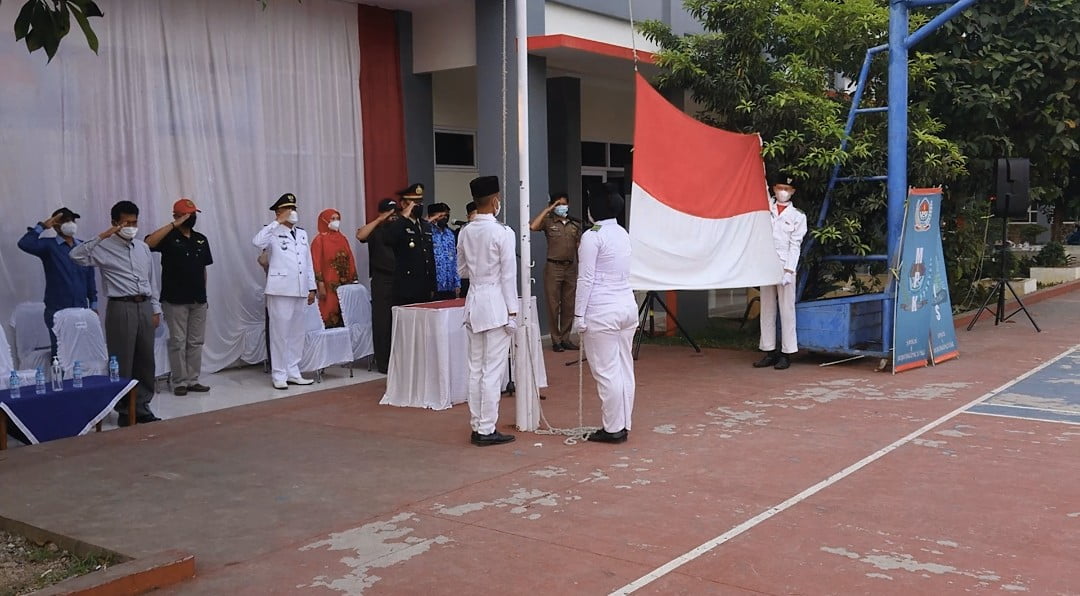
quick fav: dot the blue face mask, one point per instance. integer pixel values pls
(562, 210)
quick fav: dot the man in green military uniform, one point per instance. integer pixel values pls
(563, 234)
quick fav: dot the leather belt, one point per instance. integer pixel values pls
(560, 262)
(138, 298)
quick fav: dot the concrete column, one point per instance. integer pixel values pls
(418, 109)
(564, 138)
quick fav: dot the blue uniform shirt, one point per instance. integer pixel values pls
(67, 284)
(446, 275)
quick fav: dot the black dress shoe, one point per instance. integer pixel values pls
(145, 418)
(197, 388)
(603, 436)
(769, 359)
(123, 420)
(495, 438)
(556, 347)
(569, 345)
(782, 362)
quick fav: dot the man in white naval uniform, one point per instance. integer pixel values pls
(290, 279)
(788, 229)
(486, 257)
(606, 315)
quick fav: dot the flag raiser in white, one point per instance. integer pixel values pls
(673, 250)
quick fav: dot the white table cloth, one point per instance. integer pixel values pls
(429, 359)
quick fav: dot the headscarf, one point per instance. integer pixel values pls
(324, 220)
(607, 206)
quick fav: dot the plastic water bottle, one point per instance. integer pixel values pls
(13, 384)
(39, 382)
(76, 375)
(114, 369)
(57, 375)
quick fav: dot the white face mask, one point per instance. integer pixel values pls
(68, 228)
(498, 208)
(293, 217)
(783, 196)
(335, 224)
(562, 210)
(128, 233)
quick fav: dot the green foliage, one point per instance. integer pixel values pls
(768, 66)
(1008, 84)
(43, 23)
(1053, 255)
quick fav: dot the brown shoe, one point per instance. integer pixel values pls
(569, 345)
(197, 388)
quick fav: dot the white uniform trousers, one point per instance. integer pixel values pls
(488, 354)
(286, 335)
(608, 345)
(785, 296)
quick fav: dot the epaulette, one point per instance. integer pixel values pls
(595, 228)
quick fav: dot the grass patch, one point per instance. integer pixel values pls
(26, 567)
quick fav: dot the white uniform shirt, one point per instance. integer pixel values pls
(603, 269)
(290, 272)
(788, 228)
(486, 257)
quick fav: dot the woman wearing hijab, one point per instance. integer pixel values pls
(606, 314)
(334, 266)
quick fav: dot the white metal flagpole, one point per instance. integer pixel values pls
(526, 397)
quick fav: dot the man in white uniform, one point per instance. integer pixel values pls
(290, 279)
(606, 315)
(486, 257)
(789, 227)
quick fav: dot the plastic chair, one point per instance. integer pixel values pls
(356, 312)
(79, 336)
(162, 368)
(27, 377)
(32, 345)
(324, 347)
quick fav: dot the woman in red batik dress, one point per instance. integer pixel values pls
(334, 265)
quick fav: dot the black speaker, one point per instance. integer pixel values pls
(1011, 196)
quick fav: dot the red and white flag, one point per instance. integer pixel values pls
(699, 207)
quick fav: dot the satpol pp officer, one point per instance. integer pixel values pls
(290, 287)
(788, 229)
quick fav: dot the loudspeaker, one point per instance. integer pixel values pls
(1011, 190)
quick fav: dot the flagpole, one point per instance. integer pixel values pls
(526, 397)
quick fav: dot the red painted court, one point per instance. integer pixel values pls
(815, 480)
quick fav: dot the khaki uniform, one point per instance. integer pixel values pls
(560, 274)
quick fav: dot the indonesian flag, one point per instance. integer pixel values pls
(699, 208)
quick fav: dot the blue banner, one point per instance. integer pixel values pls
(923, 325)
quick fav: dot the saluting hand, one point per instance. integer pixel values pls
(283, 216)
(52, 221)
(180, 220)
(109, 232)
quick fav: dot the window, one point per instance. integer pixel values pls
(593, 154)
(455, 149)
(620, 155)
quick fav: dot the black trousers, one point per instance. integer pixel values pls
(382, 323)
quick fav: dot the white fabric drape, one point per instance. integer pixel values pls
(216, 100)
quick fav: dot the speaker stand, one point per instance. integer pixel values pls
(1000, 287)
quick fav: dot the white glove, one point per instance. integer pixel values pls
(789, 278)
(579, 325)
(511, 325)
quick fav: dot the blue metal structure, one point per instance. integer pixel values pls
(863, 325)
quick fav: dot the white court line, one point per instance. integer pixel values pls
(1023, 418)
(1050, 410)
(685, 558)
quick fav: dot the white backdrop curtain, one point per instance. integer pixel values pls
(216, 100)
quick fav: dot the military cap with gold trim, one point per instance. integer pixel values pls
(286, 200)
(414, 191)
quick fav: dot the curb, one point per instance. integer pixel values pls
(962, 319)
(155, 571)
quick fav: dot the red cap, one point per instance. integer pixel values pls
(184, 207)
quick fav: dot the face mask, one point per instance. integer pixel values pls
(68, 228)
(498, 208)
(335, 224)
(293, 217)
(783, 196)
(128, 232)
(562, 210)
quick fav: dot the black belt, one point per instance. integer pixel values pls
(558, 262)
(139, 298)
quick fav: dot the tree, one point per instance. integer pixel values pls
(44, 23)
(1008, 84)
(769, 66)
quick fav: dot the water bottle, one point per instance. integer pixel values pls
(76, 375)
(114, 370)
(39, 382)
(13, 384)
(57, 375)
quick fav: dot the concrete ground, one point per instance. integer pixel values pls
(815, 480)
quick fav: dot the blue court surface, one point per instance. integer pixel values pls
(1051, 394)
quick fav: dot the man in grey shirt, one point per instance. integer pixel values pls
(133, 312)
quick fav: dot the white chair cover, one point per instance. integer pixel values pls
(79, 336)
(27, 377)
(323, 347)
(356, 312)
(31, 336)
(161, 350)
